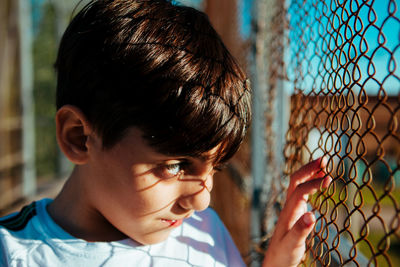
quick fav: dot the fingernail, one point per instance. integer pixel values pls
(327, 181)
(324, 161)
(308, 219)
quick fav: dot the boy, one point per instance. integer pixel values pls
(149, 104)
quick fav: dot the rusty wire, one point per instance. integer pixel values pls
(340, 63)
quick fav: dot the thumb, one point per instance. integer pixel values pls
(301, 229)
(295, 239)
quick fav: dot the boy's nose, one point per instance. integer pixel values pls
(196, 193)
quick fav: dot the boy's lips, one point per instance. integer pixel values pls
(174, 223)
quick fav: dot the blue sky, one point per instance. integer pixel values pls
(245, 17)
(372, 67)
(193, 3)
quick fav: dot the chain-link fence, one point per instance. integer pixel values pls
(340, 67)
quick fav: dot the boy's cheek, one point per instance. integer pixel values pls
(144, 183)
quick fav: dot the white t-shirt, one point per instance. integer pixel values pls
(36, 240)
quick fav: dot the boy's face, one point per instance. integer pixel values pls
(145, 194)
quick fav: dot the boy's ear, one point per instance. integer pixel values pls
(73, 132)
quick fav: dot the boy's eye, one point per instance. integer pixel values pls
(167, 171)
(173, 169)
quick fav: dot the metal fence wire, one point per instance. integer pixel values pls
(338, 61)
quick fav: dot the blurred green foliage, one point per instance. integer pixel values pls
(44, 55)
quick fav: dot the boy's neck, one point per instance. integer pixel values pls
(72, 211)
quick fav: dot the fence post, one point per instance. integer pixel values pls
(26, 85)
(259, 87)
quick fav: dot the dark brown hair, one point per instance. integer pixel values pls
(156, 66)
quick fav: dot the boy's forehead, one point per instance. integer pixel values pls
(135, 135)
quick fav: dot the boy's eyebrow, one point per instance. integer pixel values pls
(203, 157)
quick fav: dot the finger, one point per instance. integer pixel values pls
(313, 170)
(295, 239)
(326, 182)
(296, 206)
(293, 243)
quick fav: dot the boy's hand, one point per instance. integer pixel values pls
(287, 245)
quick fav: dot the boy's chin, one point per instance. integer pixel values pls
(151, 239)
